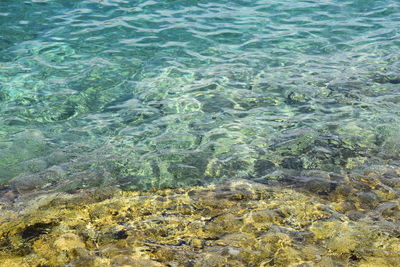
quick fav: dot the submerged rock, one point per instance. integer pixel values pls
(235, 223)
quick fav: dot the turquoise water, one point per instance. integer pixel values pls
(143, 94)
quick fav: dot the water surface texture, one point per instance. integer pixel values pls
(144, 94)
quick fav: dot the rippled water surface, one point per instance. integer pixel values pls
(144, 94)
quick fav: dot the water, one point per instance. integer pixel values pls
(155, 94)
(199, 133)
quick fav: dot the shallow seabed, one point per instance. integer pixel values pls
(199, 132)
(236, 223)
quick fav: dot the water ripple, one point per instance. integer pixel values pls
(174, 93)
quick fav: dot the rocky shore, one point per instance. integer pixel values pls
(234, 223)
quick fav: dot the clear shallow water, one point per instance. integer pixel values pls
(144, 94)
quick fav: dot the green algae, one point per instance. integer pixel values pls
(237, 223)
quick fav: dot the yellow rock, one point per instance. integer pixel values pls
(68, 242)
(236, 223)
